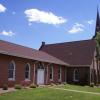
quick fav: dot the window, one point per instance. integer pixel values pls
(27, 72)
(76, 75)
(59, 73)
(51, 73)
(11, 71)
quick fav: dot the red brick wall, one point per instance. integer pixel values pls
(84, 75)
(55, 74)
(63, 76)
(20, 71)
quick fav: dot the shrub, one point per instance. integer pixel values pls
(64, 83)
(52, 84)
(33, 86)
(25, 83)
(57, 83)
(92, 85)
(5, 87)
(18, 86)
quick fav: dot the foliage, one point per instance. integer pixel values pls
(17, 86)
(33, 86)
(97, 38)
(92, 85)
(25, 83)
(5, 87)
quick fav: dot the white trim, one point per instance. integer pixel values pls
(47, 75)
(14, 71)
(28, 79)
(34, 74)
(74, 78)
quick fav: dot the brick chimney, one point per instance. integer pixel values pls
(43, 44)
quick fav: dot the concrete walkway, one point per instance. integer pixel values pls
(95, 93)
(5, 91)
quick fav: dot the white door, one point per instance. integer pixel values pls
(40, 76)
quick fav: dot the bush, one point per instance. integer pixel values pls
(18, 86)
(5, 87)
(64, 83)
(52, 84)
(25, 83)
(92, 85)
(33, 86)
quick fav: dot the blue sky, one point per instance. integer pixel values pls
(29, 22)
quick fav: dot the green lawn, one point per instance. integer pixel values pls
(80, 88)
(52, 94)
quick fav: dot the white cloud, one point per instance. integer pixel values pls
(35, 15)
(2, 8)
(5, 33)
(90, 22)
(76, 28)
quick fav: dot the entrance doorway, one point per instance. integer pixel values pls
(40, 76)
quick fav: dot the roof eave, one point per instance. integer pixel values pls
(22, 56)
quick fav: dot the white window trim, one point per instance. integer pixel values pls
(14, 71)
(28, 79)
(74, 79)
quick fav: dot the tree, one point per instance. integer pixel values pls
(97, 38)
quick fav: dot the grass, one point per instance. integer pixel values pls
(80, 88)
(52, 94)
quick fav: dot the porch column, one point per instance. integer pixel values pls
(65, 74)
(34, 78)
(47, 75)
(34, 74)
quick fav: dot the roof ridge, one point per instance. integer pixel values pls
(70, 42)
(16, 44)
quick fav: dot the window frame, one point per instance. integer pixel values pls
(14, 71)
(29, 72)
(74, 76)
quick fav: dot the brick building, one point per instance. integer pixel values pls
(71, 62)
